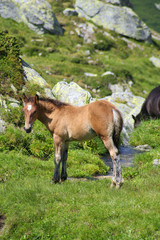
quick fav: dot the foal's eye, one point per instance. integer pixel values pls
(34, 113)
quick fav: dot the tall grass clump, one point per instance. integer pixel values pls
(147, 133)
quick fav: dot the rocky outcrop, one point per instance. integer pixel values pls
(37, 14)
(32, 76)
(119, 19)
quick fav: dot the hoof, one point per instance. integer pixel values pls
(113, 184)
(55, 180)
(118, 185)
(63, 179)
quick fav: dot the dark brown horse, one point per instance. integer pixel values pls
(150, 108)
(71, 123)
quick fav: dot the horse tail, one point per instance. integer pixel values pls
(118, 124)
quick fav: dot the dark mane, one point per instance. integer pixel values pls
(56, 102)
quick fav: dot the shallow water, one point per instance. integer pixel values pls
(127, 154)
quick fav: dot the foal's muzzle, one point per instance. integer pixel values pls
(28, 130)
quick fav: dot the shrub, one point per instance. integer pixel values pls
(10, 65)
(14, 139)
(82, 163)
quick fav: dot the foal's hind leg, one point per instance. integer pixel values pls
(117, 179)
(117, 175)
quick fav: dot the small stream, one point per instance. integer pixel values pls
(127, 154)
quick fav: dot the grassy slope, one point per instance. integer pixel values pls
(67, 62)
(36, 209)
(148, 13)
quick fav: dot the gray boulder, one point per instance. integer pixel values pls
(37, 14)
(86, 31)
(119, 19)
(155, 61)
(71, 93)
(32, 76)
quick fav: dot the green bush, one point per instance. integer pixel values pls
(83, 163)
(10, 65)
(14, 139)
(39, 143)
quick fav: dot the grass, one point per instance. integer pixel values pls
(148, 132)
(36, 209)
(148, 13)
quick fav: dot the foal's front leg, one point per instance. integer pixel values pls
(64, 160)
(58, 143)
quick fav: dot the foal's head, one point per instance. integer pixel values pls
(30, 111)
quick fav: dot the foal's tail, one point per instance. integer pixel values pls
(118, 124)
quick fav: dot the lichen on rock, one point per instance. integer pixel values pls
(71, 93)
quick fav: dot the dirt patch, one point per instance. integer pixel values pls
(2, 223)
(89, 178)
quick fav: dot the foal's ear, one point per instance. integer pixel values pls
(24, 98)
(36, 99)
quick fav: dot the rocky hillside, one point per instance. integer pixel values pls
(78, 51)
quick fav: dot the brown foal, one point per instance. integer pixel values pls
(71, 123)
